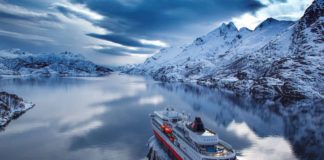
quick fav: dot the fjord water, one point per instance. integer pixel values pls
(107, 118)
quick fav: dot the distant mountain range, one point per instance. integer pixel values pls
(278, 59)
(19, 63)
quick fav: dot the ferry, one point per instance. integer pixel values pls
(184, 140)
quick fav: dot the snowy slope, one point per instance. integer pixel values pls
(265, 62)
(211, 51)
(11, 106)
(17, 62)
(301, 72)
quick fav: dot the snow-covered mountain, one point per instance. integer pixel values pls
(277, 59)
(17, 62)
(11, 106)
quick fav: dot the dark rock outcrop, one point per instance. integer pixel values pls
(11, 107)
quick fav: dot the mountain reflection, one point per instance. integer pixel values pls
(284, 131)
(107, 118)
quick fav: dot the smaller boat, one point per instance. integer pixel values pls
(184, 140)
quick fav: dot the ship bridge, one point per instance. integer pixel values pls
(169, 115)
(199, 134)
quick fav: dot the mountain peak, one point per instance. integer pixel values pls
(68, 54)
(272, 22)
(304, 42)
(16, 51)
(223, 29)
(266, 23)
(229, 26)
(313, 13)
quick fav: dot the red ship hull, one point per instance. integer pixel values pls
(174, 153)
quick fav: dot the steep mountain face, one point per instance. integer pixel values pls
(17, 62)
(277, 59)
(11, 106)
(301, 72)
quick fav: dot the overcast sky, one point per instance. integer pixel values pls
(118, 32)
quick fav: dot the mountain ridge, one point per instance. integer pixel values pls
(14, 62)
(277, 59)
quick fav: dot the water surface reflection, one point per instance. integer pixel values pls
(107, 118)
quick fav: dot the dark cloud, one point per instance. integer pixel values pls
(68, 12)
(123, 51)
(161, 19)
(127, 21)
(150, 17)
(121, 39)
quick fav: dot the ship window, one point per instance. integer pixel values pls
(211, 148)
(154, 121)
(175, 120)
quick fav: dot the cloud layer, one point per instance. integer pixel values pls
(104, 30)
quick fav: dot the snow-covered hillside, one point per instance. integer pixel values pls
(277, 59)
(17, 62)
(11, 106)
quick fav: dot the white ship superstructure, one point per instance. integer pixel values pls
(186, 140)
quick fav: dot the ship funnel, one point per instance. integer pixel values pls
(197, 125)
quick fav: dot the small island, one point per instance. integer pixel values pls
(11, 107)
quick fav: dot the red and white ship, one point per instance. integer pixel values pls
(186, 140)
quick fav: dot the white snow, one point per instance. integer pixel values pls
(20, 63)
(10, 106)
(277, 51)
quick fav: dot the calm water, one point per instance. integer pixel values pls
(107, 118)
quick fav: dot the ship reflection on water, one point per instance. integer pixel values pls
(108, 118)
(264, 129)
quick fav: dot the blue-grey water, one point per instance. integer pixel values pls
(107, 119)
